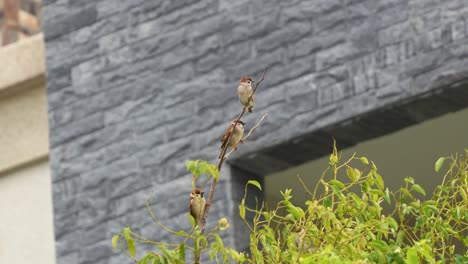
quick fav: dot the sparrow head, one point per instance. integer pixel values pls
(196, 193)
(240, 122)
(246, 80)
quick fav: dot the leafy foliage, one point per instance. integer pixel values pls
(343, 221)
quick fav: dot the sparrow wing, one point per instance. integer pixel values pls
(224, 139)
(192, 209)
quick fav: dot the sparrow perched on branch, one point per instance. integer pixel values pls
(244, 91)
(236, 137)
(197, 205)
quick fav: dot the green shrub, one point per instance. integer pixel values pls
(343, 221)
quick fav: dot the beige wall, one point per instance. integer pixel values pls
(408, 152)
(23, 126)
(26, 225)
(26, 218)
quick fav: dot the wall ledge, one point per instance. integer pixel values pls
(27, 55)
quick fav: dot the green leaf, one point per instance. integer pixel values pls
(242, 210)
(379, 245)
(439, 164)
(146, 259)
(459, 259)
(457, 213)
(351, 175)
(202, 167)
(115, 240)
(364, 186)
(126, 233)
(337, 183)
(378, 192)
(379, 180)
(400, 237)
(191, 219)
(213, 171)
(392, 223)
(386, 196)
(131, 247)
(428, 208)
(297, 212)
(327, 202)
(357, 173)
(190, 165)
(182, 252)
(418, 188)
(412, 256)
(364, 160)
(405, 192)
(218, 240)
(416, 205)
(409, 180)
(255, 183)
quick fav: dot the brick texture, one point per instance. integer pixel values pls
(136, 88)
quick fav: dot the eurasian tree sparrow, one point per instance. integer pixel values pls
(244, 91)
(197, 205)
(236, 136)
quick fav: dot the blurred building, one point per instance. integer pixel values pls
(137, 88)
(26, 224)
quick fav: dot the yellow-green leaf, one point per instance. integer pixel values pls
(213, 171)
(191, 219)
(115, 240)
(364, 160)
(392, 223)
(409, 180)
(131, 247)
(379, 245)
(357, 173)
(255, 183)
(405, 192)
(386, 196)
(351, 175)
(182, 251)
(439, 164)
(378, 192)
(149, 258)
(242, 211)
(126, 233)
(379, 180)
(418, 188)
(412, 256)
(337, 183)
(297, 212)
(190, 165)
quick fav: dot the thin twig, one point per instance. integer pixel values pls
(248, 134)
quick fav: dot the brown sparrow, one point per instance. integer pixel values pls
(236, 137)
(197, 205)
(244, 91)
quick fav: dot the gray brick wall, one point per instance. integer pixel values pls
(137, 87)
